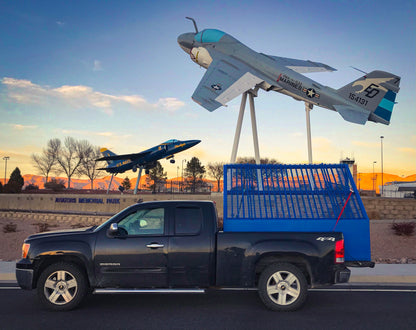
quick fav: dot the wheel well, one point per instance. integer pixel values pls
(46, 261)
(295, 260)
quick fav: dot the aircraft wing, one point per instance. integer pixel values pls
(125, 156)
(302, 66)
(224, 80)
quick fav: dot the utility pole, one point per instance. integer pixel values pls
(374, 177)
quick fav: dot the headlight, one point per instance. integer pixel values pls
(25, 250)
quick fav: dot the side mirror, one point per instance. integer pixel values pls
(113, 231)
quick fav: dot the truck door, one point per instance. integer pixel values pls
(191, 248)
(137, 257)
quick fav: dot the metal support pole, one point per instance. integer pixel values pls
(308, 108)
(252, 94)
(111, 180)
(238, 128)
(254, 129)
(138, 179)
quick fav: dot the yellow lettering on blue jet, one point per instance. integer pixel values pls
(180, 145)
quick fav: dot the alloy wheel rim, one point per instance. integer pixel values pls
(60, 287)
(283, 288)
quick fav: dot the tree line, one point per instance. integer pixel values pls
(77, 157)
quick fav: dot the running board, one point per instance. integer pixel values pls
(104, 291)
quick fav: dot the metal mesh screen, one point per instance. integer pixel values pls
(290, 192)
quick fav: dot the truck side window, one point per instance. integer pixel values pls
(144, 222)
(188, 220)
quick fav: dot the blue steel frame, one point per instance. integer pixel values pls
(297, 198)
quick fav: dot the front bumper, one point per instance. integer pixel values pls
(24, 274)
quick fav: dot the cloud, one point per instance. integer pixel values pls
(365, 144)
(171, 103)
(60, 23)
(81, 97)
(97, 66)
(91, 133)
(296, 134)
(407, 150)
(23, 127)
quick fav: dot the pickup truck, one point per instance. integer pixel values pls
(176, 246)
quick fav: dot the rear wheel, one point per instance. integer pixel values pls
(282, 287)
(62, 286)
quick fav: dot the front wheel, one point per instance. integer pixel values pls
(62, 286)
(282, 287)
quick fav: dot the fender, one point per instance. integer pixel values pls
(285, 248)
(81, 250)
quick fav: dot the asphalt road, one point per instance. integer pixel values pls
(215, 310)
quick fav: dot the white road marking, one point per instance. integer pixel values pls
(364, 290)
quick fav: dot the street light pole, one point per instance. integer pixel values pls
(382, 172)
(6, 158)
(177, 177)
(183, 160)
(373, 176)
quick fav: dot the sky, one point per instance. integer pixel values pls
(111, 72)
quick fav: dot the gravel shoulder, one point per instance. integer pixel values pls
(386, 247)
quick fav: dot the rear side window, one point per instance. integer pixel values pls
(188, 220)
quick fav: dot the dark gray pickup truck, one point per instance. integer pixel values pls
(176, 246)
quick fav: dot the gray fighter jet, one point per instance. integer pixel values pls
(233, 68)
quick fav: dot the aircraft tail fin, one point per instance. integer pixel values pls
(107, 153)
(375, 92)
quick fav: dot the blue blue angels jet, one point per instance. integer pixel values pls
(233, 68)
(143, 160)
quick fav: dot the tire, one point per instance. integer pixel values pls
(62, 286)
(282, 287)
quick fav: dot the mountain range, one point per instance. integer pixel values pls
(365, 181)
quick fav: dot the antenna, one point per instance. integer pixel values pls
(359, 70)
(196, 28)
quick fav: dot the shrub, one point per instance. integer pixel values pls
(55, 185)
(404, 228)
(10, 228)
(42, 226)
(32, 187)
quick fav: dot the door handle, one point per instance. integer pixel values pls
(155, 245)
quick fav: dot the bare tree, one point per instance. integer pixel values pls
(47, 160)
(71, 155)
(216, 170)
(251, 160)
(88, 165)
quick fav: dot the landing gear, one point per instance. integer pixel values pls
(172, 161)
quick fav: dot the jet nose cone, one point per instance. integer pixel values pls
(191, 143)
(186, 41)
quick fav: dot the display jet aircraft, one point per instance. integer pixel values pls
(233, 69)
(143, 160)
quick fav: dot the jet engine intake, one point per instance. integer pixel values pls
(201, 56)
